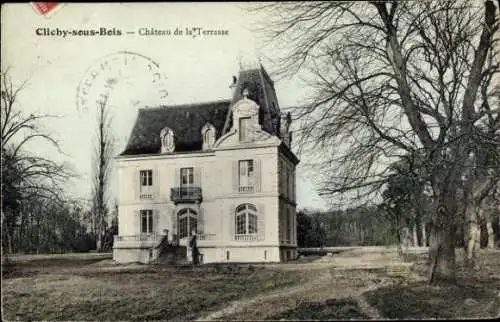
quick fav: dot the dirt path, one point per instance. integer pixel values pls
(237, 306)
(342, 276)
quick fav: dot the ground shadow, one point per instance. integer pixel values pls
(468, 298)
(331, 309)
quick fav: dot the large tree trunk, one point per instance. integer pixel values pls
(442, 254)
(491, 234)
(442, 239)
(473, 238)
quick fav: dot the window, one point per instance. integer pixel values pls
(187, 177)
(287, 181)
(246, 176)
(188, 223)
(245, 128)
(208, 132)
(208, 136)
(246, 220)
(146, 221)
(286, 226)
(282, 176)
(146, 179)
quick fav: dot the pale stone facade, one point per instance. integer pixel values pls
(237, 190)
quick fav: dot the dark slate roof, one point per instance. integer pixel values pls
(261, 90)
(186, 121)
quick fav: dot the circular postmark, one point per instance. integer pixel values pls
(138, 76)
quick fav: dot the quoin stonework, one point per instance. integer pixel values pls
(221, 171)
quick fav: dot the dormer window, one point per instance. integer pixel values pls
(208, 133)
(167, 140)
(245, 124)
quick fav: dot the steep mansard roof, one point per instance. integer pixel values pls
(186, 121)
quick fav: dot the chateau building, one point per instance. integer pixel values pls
(223, 171)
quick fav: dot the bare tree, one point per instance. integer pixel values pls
(25, 176)
(103, 156)
(392, 78)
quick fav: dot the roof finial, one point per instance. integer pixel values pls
(245, 93)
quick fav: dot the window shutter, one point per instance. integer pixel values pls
(177, 177)
(156, 220)
(197, 177)
(173, 223)
(258, 175)
(261, 229)
(232, 221)
(235, 176)
(136, 183)
(281, 220)
(139, 221)
(156, 182)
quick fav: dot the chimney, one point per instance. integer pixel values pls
(233, 85)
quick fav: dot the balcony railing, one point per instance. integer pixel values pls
(245, 189)
(206, 236)
(246, 237)
(185, 194)
(146, 192)
(140, 237)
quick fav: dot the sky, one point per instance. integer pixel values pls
(191, 69)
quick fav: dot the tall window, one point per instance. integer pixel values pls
(146, 179)
(146, 221)
(187, 177)
(246, 220)
(283, 177)
(188, 222)
(287, 181)
(287, 227)
(246, 176)
(245, 128)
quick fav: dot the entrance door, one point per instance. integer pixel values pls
(188, 222)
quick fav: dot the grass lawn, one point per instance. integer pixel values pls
(355, 284)
(65, 289)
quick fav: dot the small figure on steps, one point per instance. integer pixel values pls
(194, 250)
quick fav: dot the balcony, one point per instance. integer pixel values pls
(185, 194)
(245, 189)
(246, 237)
(137, 241)
(146, 192)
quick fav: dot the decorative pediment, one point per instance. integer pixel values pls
(246, 129)
(167, 140)
(245, 108)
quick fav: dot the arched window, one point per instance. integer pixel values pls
(208, 133)
(246, 220)
(188, 222)
(167, 140)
